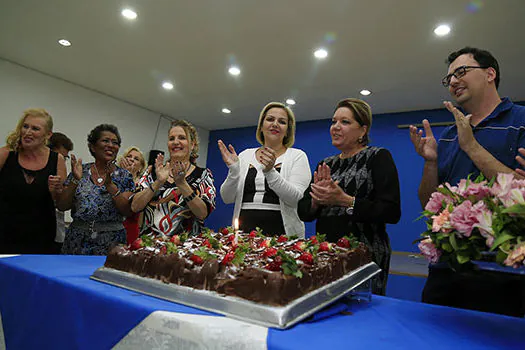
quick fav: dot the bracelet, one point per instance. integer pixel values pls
(116, 194)
(75, 181)
(190, 197)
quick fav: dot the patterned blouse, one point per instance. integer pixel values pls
(168, 213)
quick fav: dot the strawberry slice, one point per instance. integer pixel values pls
(224, 231)
(325, 247)
(343, 242)
(269, 252)
(197, 260)
(282, 239)
(175, 239)
(265, 243)
(313, 239)
(207, 243)
(136, 244)
(275, 265)
(253, 234)
(300, 245)
(228, 258)
(307, 258)
(163, 250)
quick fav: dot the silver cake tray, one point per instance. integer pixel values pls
(238, 308)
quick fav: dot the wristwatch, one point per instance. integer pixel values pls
(350, 209)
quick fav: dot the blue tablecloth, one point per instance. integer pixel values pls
(50, 302)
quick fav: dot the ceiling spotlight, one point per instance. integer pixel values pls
(234, 70)
(321, 53)
(290, 102)
(365, 92)
(129, 14)
(64, 42)
(226, 111)
(167, 85)
(442, 30)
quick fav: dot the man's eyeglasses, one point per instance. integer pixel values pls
(458, 73)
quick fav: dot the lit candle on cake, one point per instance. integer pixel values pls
(236, 225)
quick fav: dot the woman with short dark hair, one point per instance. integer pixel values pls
(97, 194)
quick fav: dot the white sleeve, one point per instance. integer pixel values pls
(229, 186)
(290, 191)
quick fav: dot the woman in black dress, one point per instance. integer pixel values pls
(31, 177)
(356, 191)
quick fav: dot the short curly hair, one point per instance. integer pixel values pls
(94, 135)
(191, 134)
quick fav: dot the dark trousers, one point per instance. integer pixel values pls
(499, 293)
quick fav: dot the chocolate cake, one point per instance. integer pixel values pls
(266, 270)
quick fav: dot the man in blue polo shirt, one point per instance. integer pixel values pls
(486, 141)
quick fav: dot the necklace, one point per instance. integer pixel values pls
(100, 179)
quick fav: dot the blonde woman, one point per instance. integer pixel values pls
(183, 194)
(31, 177)
(133, 161)
(265, 183)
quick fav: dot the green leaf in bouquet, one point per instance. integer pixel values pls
(462, 258)
(447, 247)
(501, 256)
(503, 237)
(453, 242)
(518, 209)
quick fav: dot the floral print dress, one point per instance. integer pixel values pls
(93, 205)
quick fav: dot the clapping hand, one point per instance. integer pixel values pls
(55, 184)
(229, 156)
(76, 167)
(125, 163)
(162, 170)
(267, 157)
(520, 158)
(178, 171)
(326, 191)
(465, 135)
(425, 146)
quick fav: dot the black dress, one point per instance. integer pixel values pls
(27, 211)
(371, 177)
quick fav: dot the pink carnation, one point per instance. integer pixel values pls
(435, 203)
(484, 218)
(429, 250)
(464, 217)
(478, 190)
(517, 256)
(441, 222)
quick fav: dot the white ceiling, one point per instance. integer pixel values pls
(385, 46)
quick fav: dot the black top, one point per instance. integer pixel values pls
(269, 197)
(27, 211)
(371, 177)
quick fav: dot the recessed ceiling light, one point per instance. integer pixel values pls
(442, 30)
(226, 111)
(167, 85)
(290, 102)
(234, 70)
(365, 92)
(64, 42)
(129, 14)
(321, 53)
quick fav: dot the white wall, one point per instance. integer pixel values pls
(77, 110)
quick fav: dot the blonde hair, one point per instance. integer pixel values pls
(362, 114)
(289, 138)
(142, 160)
(13, 139)
(191, 134)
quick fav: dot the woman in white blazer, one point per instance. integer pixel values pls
(265, 183)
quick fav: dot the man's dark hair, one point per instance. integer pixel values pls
(58, 140)
(483, 57)
(94, 135)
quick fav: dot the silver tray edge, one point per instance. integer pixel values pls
(269, 316)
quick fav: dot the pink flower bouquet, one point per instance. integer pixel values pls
(474, 217)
